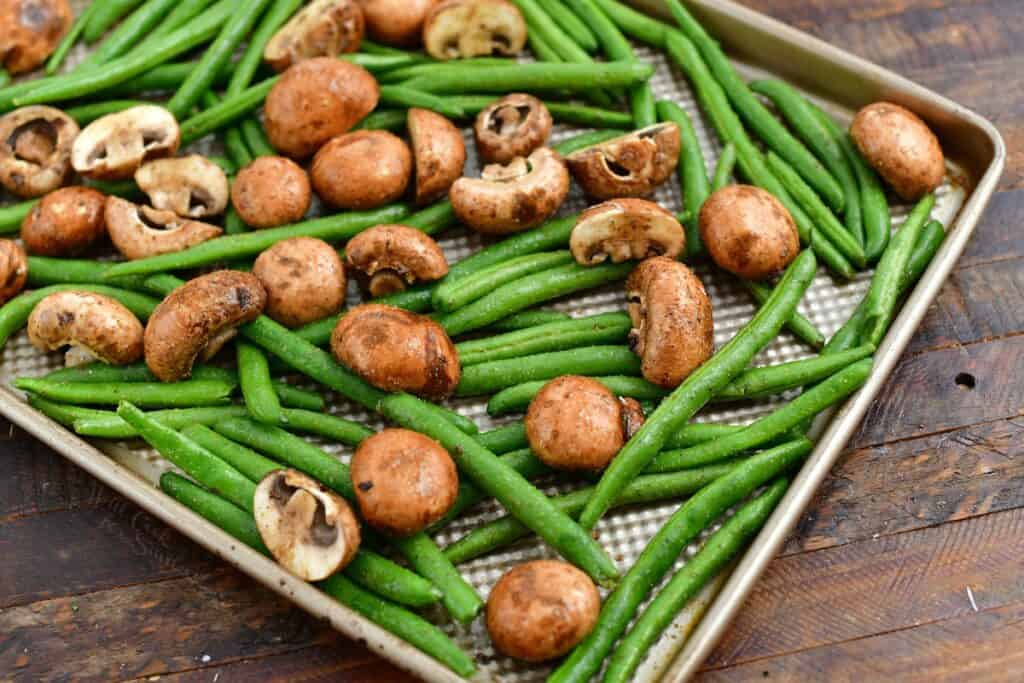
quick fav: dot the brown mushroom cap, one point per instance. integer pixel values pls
(540, 610)
(142, 231)
(626, 229)
(114, 146)
(457, 29)
(304, 279)
(308, 528)
(512, 198)
(199, 318)
(388, 258)
(673, 331)
(13, 269)
(396, 22)
(404, 481)
(94, 326)
(30, 31)
(396, 350)
(439, 152)
(323, 28)
(901, 147)
(35, 150)
(362, 170)
(271, 191)
(748, 232)
(316, 100)
(191, 186)
(629, 166)
(65, 222)
(512, 127)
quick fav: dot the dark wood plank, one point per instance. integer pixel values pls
(998, 237)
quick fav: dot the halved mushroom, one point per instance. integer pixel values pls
(512, 127)
(901, 147)
(439, 152)
(114, 146)
(13, 269)
(323, 28)
(65, 222)
(271, 191)
(748, 232)
(673, 330)
(191, 186)
(457, 29)
(142, 231)
(380, 160)
(30, 31)
(389, 258)
(629, 166)
(512, 198)
(35, 150)
(198, 318)
(396, 22)
(304, 279)
(95, 327)
(308, 528)
(626, 229)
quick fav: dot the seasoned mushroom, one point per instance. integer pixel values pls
(629, 166)
(362, 170)
(323, 28)
(388, 258)
(512, 127)
(396, 350)
(673, 331)
(404, 481)
(191, 186)
(439, 152)
(271, 191)
(304, 279)
(540, 610)
(65, 222)
(198, 318)
(316, 100)
(396, 22)
(626, 229)
(35, 150)
(748, 232)
(577, 423)
(512, 198)
(142, 231)
(30, 31)
(94, 327)
(114, 146)
(901, 147)
(457, 29)
(308, 528)
(13, 269)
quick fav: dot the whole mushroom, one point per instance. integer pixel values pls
(30, 31)
(512, 127)
(304, 279)
(271, 191)
(114, 146)
(632, 165)
(389, 258)
(13, 269)
(901, 147)
(625, 229)
(142, 231)
(439, 153)
(191, 186)
(362, 170)
(35, 150)
(94, 327)
(323, 28)
(396, 22)
(458, 29)
(65, 222)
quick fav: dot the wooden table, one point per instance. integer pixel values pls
(907, 567)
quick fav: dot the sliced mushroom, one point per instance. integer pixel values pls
(323, 28)
(271, 191)
(304, 279)
(389, 258)
(625, 229)
(457, 29)
(13, 269)
(380, 160)
(396, 22)
(748, 232)
(95, 327)
(191, 186)
(65, 222)
(512, 127)
(439, 152)
(901, 147)
(30, 31)
(114, 146)
(198, 318)
(512, 198)
(309, 529)
(35, 150)
(142, 231)
(629, 166)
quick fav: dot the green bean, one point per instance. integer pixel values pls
(45, 270)
(245, 460)
(527, 319)
(573, 25)
(454, 294)
(404, 68)
(374, 48)
(402, 96)
(692, 171)
(163, 78)
(225, 164)
(392, 120)
(294, 397)
(724, 168)
(460, 599)
(186, 394)
(256, 138)
(584, 140)
(238, 151)
(516, 398)
(640, 26)
(328, 426)
(12, 216)
(604, 328)
(542, 50)
(391, 580)
(545, 77)
(274, 18)
(110, 426)
(228, 111)
(128, 33)
(572, 113)
(224, 514)
(137, 372)
(487, 378)
(87, 113)
(233, 223)
(184, 12)
(103, 15)
(701, 386)
(65, 414)
(700, 432)
(433, 219)
(5, 77)
(712, 558)
(259, 394)
(70, 38)
(800, 326)
(504, 439)
(773, 380)
(664, 549)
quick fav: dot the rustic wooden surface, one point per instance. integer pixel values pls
(906, 567)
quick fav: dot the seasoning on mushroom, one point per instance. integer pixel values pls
(540, 610)
(198, 318)
(748, 232)
(389, 258)
(381, 161)
(94, 327)
(457, 29)
(304, 278)
(30, 31)
(13, 269)
(35, 150)
(901, 147)
(625, 229)
(396, 350)
(271, 191)
(632, 165)
(190, 186)
(65, 222)
(512, 198)
(309, 529)
(396, 22)
(512, 127)
(316, 100)
(323, 28)
(142, 231)
(404, 481)
(438, 151)
(114, 146)
(673, 331)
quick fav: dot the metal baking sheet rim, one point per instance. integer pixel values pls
(728, 600)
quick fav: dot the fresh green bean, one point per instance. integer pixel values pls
(184, 12)
(584, 140)
(109, 426)
(12, 216)
(402, 96)
(87, 113)
(433, 219)
(228, 111)
(245, 460)
(405, 68)
(700, 432)
(542, 50)
(274, 18)
(800, 326)
(392, 581)
(562, 112)
(70, 39)
(224, 514)
(103, 15)
(187, 394)
(487, 378)
(504, 439)
(294, 397)
(454, 294)
(255, 138)
(604, 328)
(516, 398)
(5, 77)
(390, 119)
(640, 26)
(544, 77)
(45, 270)
(163, 78)
(322, 424)
(724, 167)
(773, 380)
(259, 394)
(573, 25)
(128, 33)
(137, 372)
(527, 319)
(233, 223)
(66, 414)
(692, 171)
